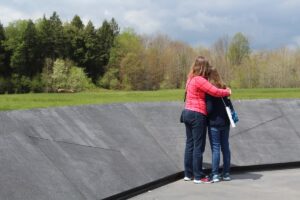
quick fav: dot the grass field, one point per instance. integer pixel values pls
(28, 101)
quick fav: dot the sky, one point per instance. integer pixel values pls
(268, 24)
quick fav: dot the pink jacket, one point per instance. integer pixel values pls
(196, 88)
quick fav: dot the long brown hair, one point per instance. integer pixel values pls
(200, 67)
(215, 78)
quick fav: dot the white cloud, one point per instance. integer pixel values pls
(8, 14)
(107, 13)
(190, 24)
(268, 23)
(142, 21)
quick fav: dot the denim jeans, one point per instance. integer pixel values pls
(219, 139)
(196, 125)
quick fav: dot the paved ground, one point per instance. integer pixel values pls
(266, 185)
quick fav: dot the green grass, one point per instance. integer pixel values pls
(29, 101)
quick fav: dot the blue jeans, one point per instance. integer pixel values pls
(219, 138)
(196, 125)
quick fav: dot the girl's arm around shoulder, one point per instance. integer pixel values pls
(210, 89)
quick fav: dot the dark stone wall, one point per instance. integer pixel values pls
(96, 151)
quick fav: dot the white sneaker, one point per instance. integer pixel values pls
(187, 179)
(197, 181)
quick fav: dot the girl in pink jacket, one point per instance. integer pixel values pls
(195, 118)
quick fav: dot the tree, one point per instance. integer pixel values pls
(179, 57)
(156, 61)
(68, 77)
(51, 37)
(76, 22)
(239, 49)
(116, 75)
(220, 59)
(4, 57)
(74, 34)
(22, 44)
(106, 35)
(31, 45)
(90, 61)
(134, 76)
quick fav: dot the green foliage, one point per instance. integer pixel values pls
(77, 80)
(51, 37)
(4, 67)
(60, 75)
(76, 22)
(27, 46)
(90, 61)
(126, 61)
(110, 80)
(21, 83)
(66, 76)
(37, 85)
(6, 85)
(134, 74)
(106, 35)
(239, 49)
(76, 35)
(125, 52)
(24, 60)
(14, 32)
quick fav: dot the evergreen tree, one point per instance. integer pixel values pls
(90, 58)
(106, 35)
(31, 45)
(57, 35)
(45, 38)
(76, 22)
(4, 64)
(24, 58)
(51, 37)
(75, 38)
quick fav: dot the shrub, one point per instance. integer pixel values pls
(21, 84)
(78, 80)
(68, 77)
(37, 85)
(110, 80)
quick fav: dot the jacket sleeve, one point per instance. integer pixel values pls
(210, 89)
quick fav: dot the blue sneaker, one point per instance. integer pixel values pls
(215, 178)
(226, 177)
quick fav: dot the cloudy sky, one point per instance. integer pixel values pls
(267, 23)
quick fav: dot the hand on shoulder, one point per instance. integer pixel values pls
(229, 90)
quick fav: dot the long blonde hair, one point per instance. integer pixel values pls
(215, 78)
(200, 67)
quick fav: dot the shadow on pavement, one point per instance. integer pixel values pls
(250, 176)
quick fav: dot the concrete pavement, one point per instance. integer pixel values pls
(258, 185)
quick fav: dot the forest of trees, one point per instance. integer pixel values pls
(48, 55)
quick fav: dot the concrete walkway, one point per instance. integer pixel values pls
(266, 185)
